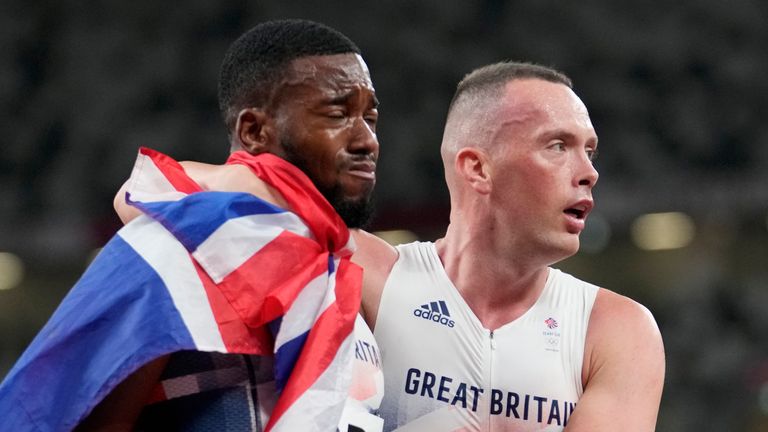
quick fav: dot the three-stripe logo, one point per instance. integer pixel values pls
(436, 311)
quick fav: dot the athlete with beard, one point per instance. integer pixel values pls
(300, 91)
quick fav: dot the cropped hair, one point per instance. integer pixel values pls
(255, 63)
(489, 80)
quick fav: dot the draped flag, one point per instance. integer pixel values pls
(206, 271)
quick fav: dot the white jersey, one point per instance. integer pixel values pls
(444, 372)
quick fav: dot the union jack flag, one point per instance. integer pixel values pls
(206, 271)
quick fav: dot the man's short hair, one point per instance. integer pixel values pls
(489, 80)
(256, 61)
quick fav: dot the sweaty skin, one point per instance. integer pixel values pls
(329, 129)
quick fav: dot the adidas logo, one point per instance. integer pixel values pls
(436, 311)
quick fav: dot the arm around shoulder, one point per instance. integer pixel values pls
(376, 257)
(225, 178)
(120, 410)
(624, 366)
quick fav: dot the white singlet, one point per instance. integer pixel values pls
(444, 372)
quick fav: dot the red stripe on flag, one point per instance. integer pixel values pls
(237, 336)
(301, 194)
(264, 287)
(172, 170)
(330, 330)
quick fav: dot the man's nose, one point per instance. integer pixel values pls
(363, 139)
(588, 174)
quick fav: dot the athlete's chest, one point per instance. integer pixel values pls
(441, 331)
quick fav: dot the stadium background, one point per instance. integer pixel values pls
(676, 92)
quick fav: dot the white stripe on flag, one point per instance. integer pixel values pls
(304, 310)
(173, 264)
(234, 242)
(311, 302)
(148, 184)
(320, 407)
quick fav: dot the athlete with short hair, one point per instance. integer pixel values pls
(301, 91)
(477, 331)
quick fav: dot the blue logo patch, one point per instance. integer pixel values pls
(436, 311)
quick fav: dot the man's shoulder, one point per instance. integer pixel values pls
(232, 178)
(373, 252)
(611, 306)
(376, 257)
(620, 326)
(624, 365)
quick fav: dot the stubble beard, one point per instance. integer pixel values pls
(356, 213)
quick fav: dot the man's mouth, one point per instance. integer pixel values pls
(364, 170)
(580, 210)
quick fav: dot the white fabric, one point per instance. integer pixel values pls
(367, 389)
(154, 243)
(444, 371)
(233, 243)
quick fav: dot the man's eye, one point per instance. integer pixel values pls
(337, 114)
(559, 146)
(592, 154)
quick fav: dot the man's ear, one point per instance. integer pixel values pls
(473, 166)
(255, 131)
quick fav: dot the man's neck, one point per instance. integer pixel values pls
(497, 287)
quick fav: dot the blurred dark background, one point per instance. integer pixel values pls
(677, 92)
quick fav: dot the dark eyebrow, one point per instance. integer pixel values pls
(340, 99)
(343, 98)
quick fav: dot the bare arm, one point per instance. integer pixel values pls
(121, 408)
(225, 178)
(376, 257)
(126, 212)
(623, 369)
